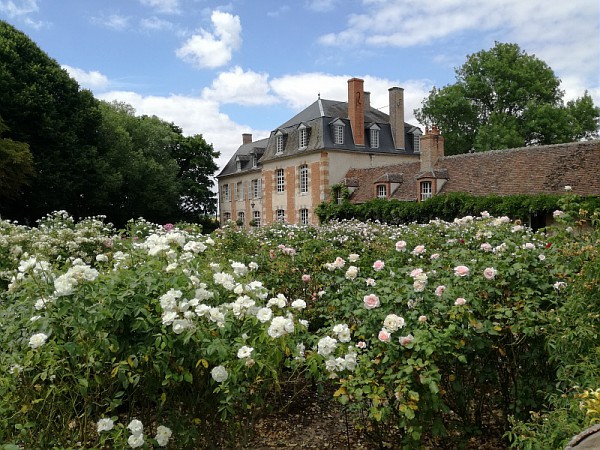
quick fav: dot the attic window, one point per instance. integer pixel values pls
(381, 191)
(426, 192)
(374, 137)
(254, 159)
(416, 143)
(302, 137)
(238, 164)
(279, 142)
(338, 134)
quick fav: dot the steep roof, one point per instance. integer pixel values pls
(244, 153)
(527, 170)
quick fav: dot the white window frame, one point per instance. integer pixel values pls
(280, 180)
(256, 217)
(226, 193)
(374, 138)
(338, 134)
(256, 188)
(426, 190)
(254, 159)
(279, 144)
(416, 143)
(239, 190)
(304, 216)
(280, 215)
(302, 137)
(303, 175)
(242, 216)
(381, 191)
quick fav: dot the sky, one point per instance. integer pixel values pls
(221, 69)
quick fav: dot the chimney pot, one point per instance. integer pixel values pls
(246, 138)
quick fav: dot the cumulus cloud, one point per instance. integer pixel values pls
(14, 8)
(163, 6)
(211, 50)
(240, 87)
(89, 80)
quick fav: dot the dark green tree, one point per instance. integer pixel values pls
(504, 98)
(44, 108)
(16, 165)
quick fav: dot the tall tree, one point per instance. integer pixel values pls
(504, 98)
(44, 108)
(16, 165)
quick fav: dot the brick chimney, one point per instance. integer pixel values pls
(247, 138)
(356, 111)
(367, 97)
(432, 149)
(397, 116)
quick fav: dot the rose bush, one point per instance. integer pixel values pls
(429, 333)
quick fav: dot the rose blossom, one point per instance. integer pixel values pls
(418, 250)
(392, 322)
(384, 335)
(351, 273)
(489, 273)
(404, 340)
(401, 246)
(39, 339)
(353, 257)
(486, 247)
(378, 265)
(371, 301)
(460, 301)
(361, 344)
(422, 319)
(370, 282)
(461, 271)
(105, 424)
(439, 291)
(306, 278)
(219, 374)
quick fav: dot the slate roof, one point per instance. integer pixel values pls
(527, 170)
(244, 154)
(318, 118)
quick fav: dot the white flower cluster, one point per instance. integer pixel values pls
(337, 264)
(37, 340)
(136, 438)
(280, 326)
(65, 284)
(343, 332)
(420, 279)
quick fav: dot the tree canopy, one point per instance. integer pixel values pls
(62, 149)
(505, 98)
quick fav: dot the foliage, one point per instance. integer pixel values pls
(446, 207)
(430, 334)
(505, 98)
(16, 165)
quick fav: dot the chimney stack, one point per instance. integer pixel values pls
(367, 96)
(397, 116)
(432, 149)
(246, 138)
(356, 111)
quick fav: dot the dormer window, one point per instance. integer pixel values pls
(381, 191)
(254, 159)
(238, 164)
(426, 191)
(302, 136)
(279, 142)
(374, 136)
(338, 134)
(416, 140)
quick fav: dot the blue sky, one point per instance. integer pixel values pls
(246, 66)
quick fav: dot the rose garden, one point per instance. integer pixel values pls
(159, 336)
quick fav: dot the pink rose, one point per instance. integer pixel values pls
(361, 344)
(401, 246)
(489, 273)
(416, 272)
(168, 226)
(486, 247)
(370, 282)
(422, 319)
(418, 250)
(306, 278)
(435, 256)
(378, 265)
(384, 335)
(439, 291)
(460, 301)
(371, 301)
(404, 340)
(461, 271)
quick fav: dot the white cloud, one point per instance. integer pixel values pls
(163, 6)
(321, 5)
(89, 80)
(240, 87)
(215, 49)
(154, 23)
(14, 8)
(114, 21)
(194, 116)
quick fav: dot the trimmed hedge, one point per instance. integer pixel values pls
(447, 207)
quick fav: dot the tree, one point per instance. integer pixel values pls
(16, 165)
(504, 98)
(44, 108)
(196, 160)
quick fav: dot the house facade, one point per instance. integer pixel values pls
(286, 176)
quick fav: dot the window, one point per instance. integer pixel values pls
(416, 143)
(256, 218)
(381, 191)
(304, 216)
(280, 181)
(374, 132)
(303, 172)
(280, 215)
(256, 188)
(425, 190)
(238, 164)
(239, 191)
(279, 143)
(303, 137)
(226, 216)
(241, 218)
(226, 193)
(338, 134)
(254, 159)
